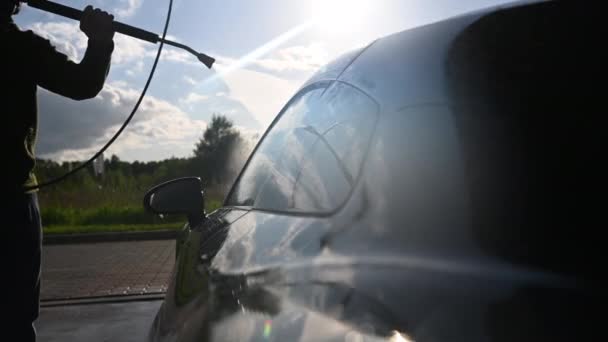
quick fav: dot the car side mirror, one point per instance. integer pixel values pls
(178, 196)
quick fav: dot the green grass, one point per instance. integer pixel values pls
(104, 215)
(110, 215)
(59, 220)
(99, 228)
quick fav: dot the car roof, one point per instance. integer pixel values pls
(409, 67)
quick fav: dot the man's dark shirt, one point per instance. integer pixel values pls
(28, 61)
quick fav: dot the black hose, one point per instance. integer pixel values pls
(124, 125)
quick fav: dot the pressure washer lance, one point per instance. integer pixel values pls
(128, 30)
(132, 31)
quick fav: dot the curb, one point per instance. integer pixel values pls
(101, 300)
(61, 239)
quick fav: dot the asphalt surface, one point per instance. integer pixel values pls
(97, 322)
(120, 282)
(106, 269)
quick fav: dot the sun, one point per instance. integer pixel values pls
(339, 16)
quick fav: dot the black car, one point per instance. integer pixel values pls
(440, 184)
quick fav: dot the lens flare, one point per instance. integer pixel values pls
(267, 328)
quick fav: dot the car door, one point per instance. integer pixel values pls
(187, 294)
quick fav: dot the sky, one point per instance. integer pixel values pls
(265, 50)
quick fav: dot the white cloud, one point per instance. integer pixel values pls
(203, 103)
(67, 38)
(164, 136)
(190, 80)
(74, 130)
(194, 98)
(300, 59)
(128, 8)
(127, 50)
(178, 56)
(135, 69)
(295, 58)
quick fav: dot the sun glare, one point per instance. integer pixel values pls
(339, 16)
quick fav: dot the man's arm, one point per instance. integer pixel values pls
(56, 73)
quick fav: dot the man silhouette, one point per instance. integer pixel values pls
(29, 61)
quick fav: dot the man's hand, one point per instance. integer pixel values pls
(97, 24)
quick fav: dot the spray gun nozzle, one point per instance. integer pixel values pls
(208, 61)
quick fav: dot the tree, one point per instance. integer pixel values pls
(212, 152)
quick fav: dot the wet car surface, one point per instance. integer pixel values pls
(435, 185)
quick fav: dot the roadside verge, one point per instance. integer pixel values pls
(58, 239)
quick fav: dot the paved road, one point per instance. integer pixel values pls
(97, 322)
(109, 268)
